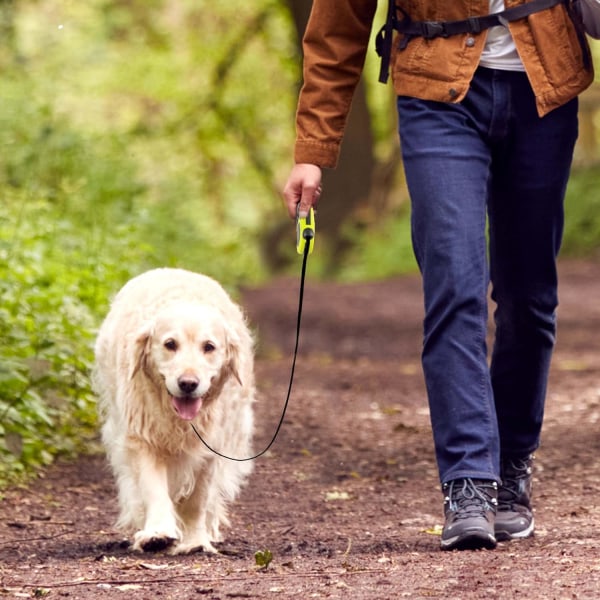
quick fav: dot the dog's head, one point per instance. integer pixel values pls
(190, 349)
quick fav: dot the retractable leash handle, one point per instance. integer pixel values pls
(305, 230)
(305, 241)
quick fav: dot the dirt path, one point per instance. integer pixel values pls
(347, 502)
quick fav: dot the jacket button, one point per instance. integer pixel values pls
(470, 42)
(452, 93)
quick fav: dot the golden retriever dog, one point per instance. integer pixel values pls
(175, 350)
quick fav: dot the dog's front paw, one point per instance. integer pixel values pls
(152, 541)
(196, 544)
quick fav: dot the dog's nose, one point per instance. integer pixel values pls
(187, 384)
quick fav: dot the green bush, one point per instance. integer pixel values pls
(59, 264)
(53, 287)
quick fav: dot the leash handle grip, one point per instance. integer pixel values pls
(305, 230)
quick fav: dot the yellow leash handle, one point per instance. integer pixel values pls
(305, 231)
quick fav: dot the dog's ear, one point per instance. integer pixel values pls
(233, 354)
(143, 343)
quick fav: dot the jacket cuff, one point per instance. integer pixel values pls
(316, 153)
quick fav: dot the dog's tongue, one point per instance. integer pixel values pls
(187, 408)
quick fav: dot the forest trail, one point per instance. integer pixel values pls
(347, 501)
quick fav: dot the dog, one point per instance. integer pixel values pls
(175, 350)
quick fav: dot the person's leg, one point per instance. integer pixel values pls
(529, 177)
(447, 161)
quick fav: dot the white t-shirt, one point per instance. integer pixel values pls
(500, 51)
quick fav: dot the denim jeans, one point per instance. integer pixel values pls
(489, 160)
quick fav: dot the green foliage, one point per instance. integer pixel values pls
(59, 189)
(133, 134)
(51, 290)
(177, 86)
(582, 213)
(383, 250)
(58, 266)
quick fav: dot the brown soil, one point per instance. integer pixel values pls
(347, 501)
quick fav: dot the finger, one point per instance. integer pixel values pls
(310, 198)
(292, 195)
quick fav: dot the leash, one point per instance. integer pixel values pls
(305, 241)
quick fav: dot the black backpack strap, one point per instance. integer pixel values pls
(383, 41)
(433, 29)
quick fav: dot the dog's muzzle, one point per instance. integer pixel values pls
(187, 403)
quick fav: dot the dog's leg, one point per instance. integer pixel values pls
(193, 514)
(160, 525)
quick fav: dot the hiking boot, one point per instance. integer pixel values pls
(470, 508)
(514, 518)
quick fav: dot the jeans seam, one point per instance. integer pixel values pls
(486, 387)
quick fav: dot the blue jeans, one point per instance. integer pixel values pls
(487, 160)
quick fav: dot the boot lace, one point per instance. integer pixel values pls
(468, 498)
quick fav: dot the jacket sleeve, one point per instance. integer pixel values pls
(335, 45)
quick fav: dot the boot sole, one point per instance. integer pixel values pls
(505, 536)
(471, 540)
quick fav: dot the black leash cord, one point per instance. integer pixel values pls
(289, 392)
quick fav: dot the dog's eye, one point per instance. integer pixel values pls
(208, 347)
(171, 345)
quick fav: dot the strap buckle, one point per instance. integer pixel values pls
(433, 29)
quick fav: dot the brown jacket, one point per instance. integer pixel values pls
(337, 39)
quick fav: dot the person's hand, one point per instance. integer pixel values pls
(303, 188)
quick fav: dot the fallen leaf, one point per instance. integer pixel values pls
(334, 496)
(571, 365)
(435, 530)
(129, 587)
(152, 567)
(263, 558)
